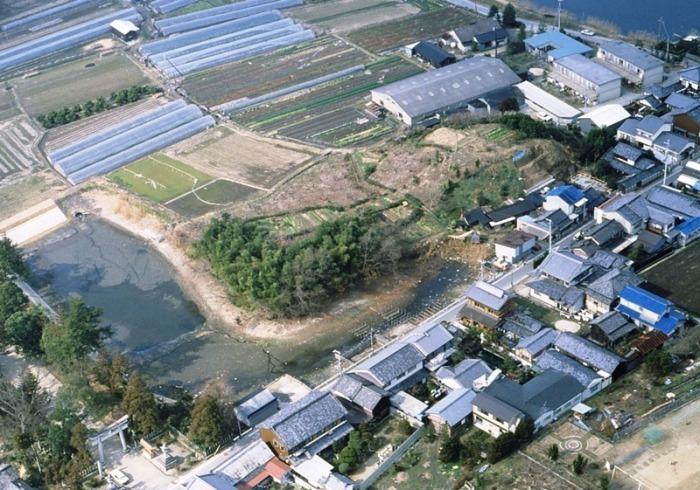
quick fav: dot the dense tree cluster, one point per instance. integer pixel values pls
(211, 421)
(294, 279)
(118, 98)
(361, 444)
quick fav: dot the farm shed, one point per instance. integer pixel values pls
(431, 53)
(124, 29)
(445, 90)
(546, 106)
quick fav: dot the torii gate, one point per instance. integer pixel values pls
(117, 427)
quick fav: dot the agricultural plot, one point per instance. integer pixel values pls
(682, 288)
(70, 37)
(194, 6)
(41, 19)
(8, 108)
(17, 154)
(76, 82)
(348, 15)
(211, 197)
(295, 223)
(426, 25)
(159, 178)
(331, 113)
(129, 140)
(213, 37)
(273, 71)
(255, 162)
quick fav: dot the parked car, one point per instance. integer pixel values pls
(119, 477)
(588, 32)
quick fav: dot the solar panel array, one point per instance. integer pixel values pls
(63, 39)
(221, 35)
(166, 6)
(129, 140)
(43, 14)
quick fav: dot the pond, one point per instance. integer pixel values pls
(161, 330)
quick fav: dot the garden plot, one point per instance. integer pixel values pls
(212, 197)
(69, 133)
(682, 289)
(129, 140)
(17, 147)
(250, 161)
(332, 113)
(76, 82)
(348, 15)
(396, 33)
(212, 37)
(159, 178)
(273, 71)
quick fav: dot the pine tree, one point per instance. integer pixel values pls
(140, 405)
(209, 424)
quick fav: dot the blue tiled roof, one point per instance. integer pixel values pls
(669, 323)
(689, 226)
(692, 74)
(569, 193)
(563, 45)
(645, 299)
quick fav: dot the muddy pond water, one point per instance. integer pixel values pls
(162, 331)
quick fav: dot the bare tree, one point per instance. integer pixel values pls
(26, 405)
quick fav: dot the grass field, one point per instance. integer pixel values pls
(159, 177)
(77, 82)
(679, 287)
(282, 68)
(331, 113)
(347, 15)
(8, 108)
(426, 25)
(210, 197)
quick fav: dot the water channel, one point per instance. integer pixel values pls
(163, 332)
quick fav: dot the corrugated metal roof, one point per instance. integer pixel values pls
(547, 101)
(562, 44)
(607, 115)
(588, 69)
(631, 54)
(435, 90)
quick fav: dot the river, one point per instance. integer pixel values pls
(681, 16)
(164, 334)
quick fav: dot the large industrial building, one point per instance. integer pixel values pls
(478, 83)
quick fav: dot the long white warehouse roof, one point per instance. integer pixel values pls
(465, 80)
(547, 101)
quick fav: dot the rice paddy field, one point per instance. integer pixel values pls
(425, 25)
(270, 72)
(332, 113)
(211, 197)
(76, 82)
(159, 178)
(677, 278)
(347, 15)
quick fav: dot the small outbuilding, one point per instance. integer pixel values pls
(124, 29)
(433, 54)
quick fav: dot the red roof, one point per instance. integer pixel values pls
(275, 469)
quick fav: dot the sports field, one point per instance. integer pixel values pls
(76, 82)
(159, 178)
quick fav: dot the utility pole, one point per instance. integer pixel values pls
(495, 41)
(662, 24)
(559, 14)
(549, 221)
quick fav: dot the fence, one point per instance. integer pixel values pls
(393, 458)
